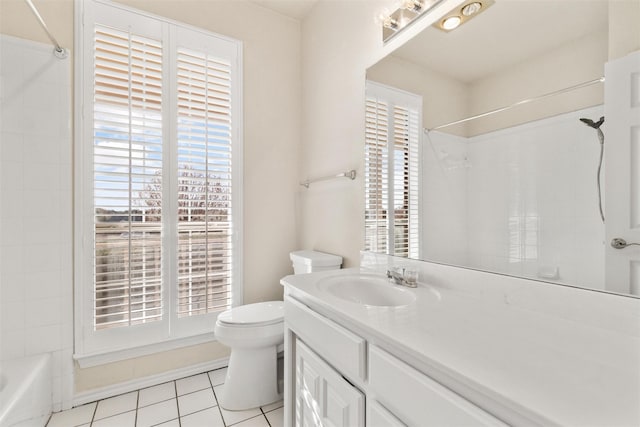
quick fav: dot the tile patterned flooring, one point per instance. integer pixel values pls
(187, 402)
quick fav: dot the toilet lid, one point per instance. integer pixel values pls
(263, 313)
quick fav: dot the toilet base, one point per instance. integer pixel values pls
(251, 379)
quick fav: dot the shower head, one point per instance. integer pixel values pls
(591, 123)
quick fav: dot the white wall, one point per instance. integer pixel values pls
(35, 209)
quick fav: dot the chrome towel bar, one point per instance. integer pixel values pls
(349, 174)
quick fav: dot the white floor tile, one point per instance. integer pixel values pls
(156, 394)
(191, 384)
(209, 418)
(217, 377)
(276, 418)
(116, 405)
(157, 413)
(73, 417)
(234, 417)
(196, 401)
(271, 407)
(128, 419)
(259, 421)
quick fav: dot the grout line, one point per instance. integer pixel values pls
(93, 416)
(135, 421)
(264, 414)
(175, 385)
(224, 423)
(161, 401)
(250, 418)
(162, 422)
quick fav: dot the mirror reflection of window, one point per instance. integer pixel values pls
(392, 153)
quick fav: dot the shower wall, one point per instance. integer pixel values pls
(444, 202)
(530, 199)
(36, 209)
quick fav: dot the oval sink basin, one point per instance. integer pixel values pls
(366, 289)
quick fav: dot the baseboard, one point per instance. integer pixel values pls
(138, 383)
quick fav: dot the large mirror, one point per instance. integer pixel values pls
(536, 190)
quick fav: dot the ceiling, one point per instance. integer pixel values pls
(297, 9)
(506, 33)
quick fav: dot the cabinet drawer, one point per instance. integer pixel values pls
(340, 347)
(378, 416)
(417, 399)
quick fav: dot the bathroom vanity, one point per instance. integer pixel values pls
(362, 351)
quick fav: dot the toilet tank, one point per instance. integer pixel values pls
(312, 261)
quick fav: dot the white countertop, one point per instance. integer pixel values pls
(550, 369)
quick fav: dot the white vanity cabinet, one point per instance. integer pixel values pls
(336, 377)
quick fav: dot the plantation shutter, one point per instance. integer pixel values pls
(392, 125)
(405, 181)
(127, 185)
(205, 157)
(376, 175)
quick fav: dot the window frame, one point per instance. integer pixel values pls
(97, 347)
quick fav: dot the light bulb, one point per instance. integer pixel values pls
(451, 22)
(414, 5)
(390, 23)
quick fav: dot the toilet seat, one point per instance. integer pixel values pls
(252, 315)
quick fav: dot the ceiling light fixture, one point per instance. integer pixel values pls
(406, 14)
(462, 14)
(471, 8)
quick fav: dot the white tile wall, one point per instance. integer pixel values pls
(444, 202)
(36, 209)
(530, 200)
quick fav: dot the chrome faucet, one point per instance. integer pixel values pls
(403, 277)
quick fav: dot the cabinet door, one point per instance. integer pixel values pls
(323, 397)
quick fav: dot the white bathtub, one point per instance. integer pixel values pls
(25, 391)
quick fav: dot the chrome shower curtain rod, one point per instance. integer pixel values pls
(58, 50)
(522, 102)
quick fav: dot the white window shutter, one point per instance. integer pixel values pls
(392, 158)
(205, 158)
(127, 147)
(376, 175)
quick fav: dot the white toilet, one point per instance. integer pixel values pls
(254, 332)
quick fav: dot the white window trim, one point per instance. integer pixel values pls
(83, 239)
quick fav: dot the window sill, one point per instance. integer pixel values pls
(103, 358)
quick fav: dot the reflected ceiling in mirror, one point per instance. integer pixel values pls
(515, 192)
